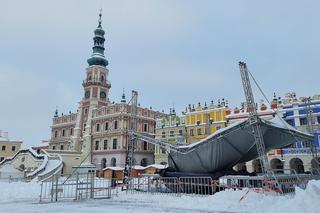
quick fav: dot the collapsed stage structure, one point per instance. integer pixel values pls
(227, 147)
(232, 145)
(239, 142)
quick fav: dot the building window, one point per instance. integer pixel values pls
(191, 132)
(105, 144)
(306, 144)
(63, 133)
(106, 127)
(145, 127)
(13, 148)
(86, 96)
(113, 161)
(115, 124)
(218, 127)
(180, 131)
(145, 145)
(163, 150)
(55, 134)
(3, 148)
(171, 133)
(96, 145)
(144, 162)
(303, 121)
(1, 159)
(53, 147)
(199, 131)
(163, 135)
(71, 131)
(84, 127)
(61, 147)
(104, 163)
(85, 111)
(318, 119)
(114, 143)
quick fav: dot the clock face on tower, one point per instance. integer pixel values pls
(87, 94)
(103, 95)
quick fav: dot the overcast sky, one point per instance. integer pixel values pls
(174, 52)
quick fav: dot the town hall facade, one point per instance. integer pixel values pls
(99, 131)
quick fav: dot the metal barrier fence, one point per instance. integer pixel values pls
(315, 172)
(277, 182)
(172, 185)
(80, 186)
(87, 186)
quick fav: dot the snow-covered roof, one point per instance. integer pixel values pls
(85, 165)
(281, 123)
(114, 168)
(138, 167)
(35, 155)
(157, 166)
(276, 122)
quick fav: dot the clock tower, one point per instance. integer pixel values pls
(96, 91)
(96, 86)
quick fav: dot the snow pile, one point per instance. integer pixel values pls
(18, 192)
(230, 201)
(26, 195)
(51, 165)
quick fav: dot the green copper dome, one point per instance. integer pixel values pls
(97, 57)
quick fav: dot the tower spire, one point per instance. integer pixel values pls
(97, 57)
(100, 19)
(123, 98)
(56, 112)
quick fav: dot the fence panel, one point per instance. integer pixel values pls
(172, 185)
(80, 186)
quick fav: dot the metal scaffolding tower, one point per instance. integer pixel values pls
(132, 142)
(253, 118)
(313, 148)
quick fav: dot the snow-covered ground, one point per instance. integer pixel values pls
(24, 197)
